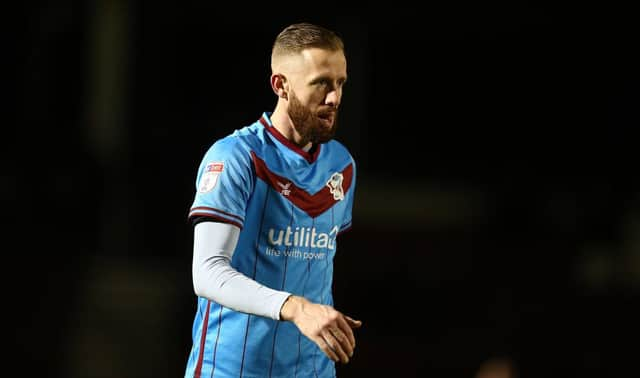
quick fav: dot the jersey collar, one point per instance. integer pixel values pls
(310, 156)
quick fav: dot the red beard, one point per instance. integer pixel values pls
(311, 127)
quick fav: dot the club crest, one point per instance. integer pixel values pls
(335, 186)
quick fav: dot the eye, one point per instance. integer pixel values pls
(326, 83)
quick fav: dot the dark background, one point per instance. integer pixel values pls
(497, 214)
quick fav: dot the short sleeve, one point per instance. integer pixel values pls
(347, 221)
(224, 183)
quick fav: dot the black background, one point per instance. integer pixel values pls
(497, 210)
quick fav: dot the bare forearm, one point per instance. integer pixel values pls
(291, 307)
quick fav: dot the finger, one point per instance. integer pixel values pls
(346, 340)
(353, 323)
(335, 345)
(346, 330)
(327, 349)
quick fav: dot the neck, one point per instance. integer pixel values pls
(283, 123)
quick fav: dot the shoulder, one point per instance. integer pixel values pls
(236, 145)
(338, 152)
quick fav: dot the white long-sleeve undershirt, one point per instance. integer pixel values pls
(214, 278)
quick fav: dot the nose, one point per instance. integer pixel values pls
(332, 98)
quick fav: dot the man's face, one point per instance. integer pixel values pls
(315, 94)
(312, 126)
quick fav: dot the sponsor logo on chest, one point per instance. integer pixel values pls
(308, 237)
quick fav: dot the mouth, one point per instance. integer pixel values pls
(327, 118)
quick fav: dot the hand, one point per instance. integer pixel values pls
(330, 329)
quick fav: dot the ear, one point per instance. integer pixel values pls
(278, 84)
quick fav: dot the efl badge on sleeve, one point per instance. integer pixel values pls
(210, 176)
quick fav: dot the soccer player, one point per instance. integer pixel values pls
(270, 201)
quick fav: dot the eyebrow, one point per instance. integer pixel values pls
(327, 78)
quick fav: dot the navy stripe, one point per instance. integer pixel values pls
(215, 347)
(325, 291)
(273, 348)
(284, 280)
(257, 238)
(253, 276)
(326, 265)
(304, 289)
(298, 358)
(324, 283)
(244, 347)
(315, 352)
